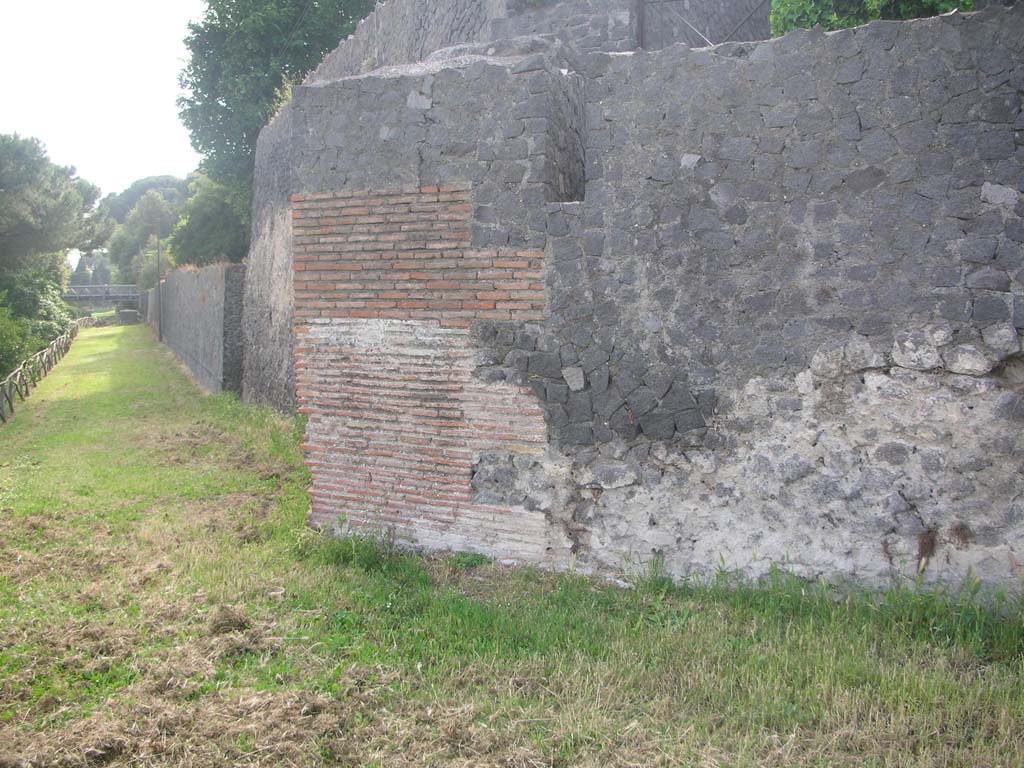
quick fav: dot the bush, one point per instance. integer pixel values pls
(16, 343)
(787, 15)
(34, 295)
(53, 316)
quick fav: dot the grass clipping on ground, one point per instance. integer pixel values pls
(162, 603)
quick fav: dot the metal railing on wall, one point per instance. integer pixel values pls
(21, 380)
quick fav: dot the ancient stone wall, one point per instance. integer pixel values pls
(591, 25)
(268, 364)
(698, 23)
(201, 315)
(408, 31)
(783, 286)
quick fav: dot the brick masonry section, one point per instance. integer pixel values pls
(406, 256)
(386, 288)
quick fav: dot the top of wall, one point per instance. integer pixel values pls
(407, 31)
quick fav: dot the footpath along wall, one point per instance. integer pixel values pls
(748, 305)
(202, 322)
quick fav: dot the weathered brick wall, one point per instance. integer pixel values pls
(386, 286)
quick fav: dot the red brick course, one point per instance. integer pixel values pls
(386, 287)
(406, 256)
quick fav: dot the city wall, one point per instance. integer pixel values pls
(202, 322)
(750, 305)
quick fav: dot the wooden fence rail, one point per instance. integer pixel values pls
(28, 375)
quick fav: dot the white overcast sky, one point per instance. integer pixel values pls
(96, 82)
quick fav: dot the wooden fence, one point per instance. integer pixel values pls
(28, 375)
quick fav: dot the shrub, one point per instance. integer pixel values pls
(52, 317)
(16, 343)
(787, 15)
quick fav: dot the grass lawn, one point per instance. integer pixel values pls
(162, 603)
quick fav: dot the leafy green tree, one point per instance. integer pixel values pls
(244, 54)
(44, 207)
(34, 292)
(787, 15)
(171, 188)
(151, 216)
(45, 210)
(101, 274)
(209, 230)
(82, 274)
(92, 269)
(144, 264)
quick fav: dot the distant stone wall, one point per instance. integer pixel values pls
(201, 315)
(781, 316)
(698, 22)
(406, 31)
(590, 25)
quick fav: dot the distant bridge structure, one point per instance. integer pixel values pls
(94, 295)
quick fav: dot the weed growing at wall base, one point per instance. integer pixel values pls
(162, 602)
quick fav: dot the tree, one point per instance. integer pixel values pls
(101, 271)
(34, 292)
(92, 269)
(209, 230)
(171, 188)
(44, 208)
(787, 15)
(143, 266)
(244, 54)
(152, 216)
(82, 274)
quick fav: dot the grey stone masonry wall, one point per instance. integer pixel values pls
(405, 32)
(268, 366)
(699, 22)
(202, 322)
(589, 25)
(787, 313)
(784, 291)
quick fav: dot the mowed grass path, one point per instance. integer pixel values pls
(162, 603)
